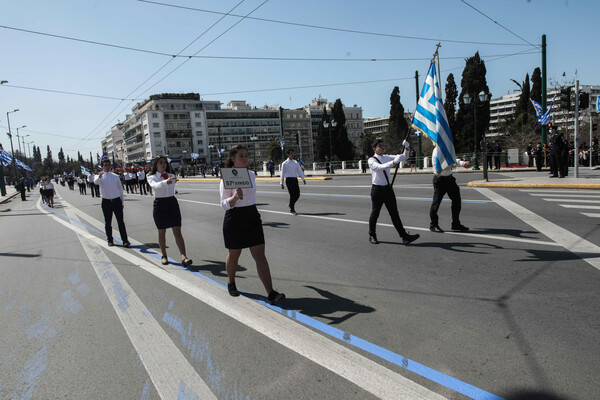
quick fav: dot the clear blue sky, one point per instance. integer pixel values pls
(79, 123)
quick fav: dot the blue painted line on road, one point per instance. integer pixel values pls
(396, 359)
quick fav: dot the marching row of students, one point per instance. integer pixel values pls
(242, 224)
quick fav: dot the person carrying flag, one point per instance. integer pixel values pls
(430, 119)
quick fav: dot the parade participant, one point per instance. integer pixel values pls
(81, 184)
(290, 170)
(49, 192)
(20, 186)
(166, 211)
(446, 183)
(382, 191)
(242, 227)
(141, 175)
(111, 191)
(93, 187)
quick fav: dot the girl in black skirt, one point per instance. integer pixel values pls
(242, 227)
(166, 208)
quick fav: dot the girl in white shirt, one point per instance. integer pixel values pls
(166, 211)
(242, 227)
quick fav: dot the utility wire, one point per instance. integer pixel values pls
(334, 29)
(366, 59)
(497, 23)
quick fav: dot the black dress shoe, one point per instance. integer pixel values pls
(373, 239)
(110, 244)
(232, 290)
(408, 238)
(126, 244)
(460, 228)
(435, 228)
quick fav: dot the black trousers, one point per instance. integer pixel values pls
(441, 186)
(381, 195)
(142, 184)
(110, 207)
(293, 190)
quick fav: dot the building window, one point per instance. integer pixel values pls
(156, 125)
(154, 115)
(198, 124)
(197, 115)
(199, 141)
(156, 134)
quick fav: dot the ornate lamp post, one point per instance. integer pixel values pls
(329, 124)
(477, 101)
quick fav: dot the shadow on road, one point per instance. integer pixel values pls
(217, 268)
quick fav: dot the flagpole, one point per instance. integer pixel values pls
(435, 54)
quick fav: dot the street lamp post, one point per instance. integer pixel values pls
(23, 140)
(14, 162)
(329, 124)
(18, 140)
(477, 101)
(254, 139)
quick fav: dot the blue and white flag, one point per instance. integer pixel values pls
(430, 119)
(84, 171)
(5, 158)
(282, 143)
(22, 165)
(542, 117)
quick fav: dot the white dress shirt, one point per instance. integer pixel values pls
(110, 186)
(291, 169)
(141, 175)
(161, 187)
(387, 161)
(249, 194)
(91, 177)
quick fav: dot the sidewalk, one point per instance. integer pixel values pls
(10, 193)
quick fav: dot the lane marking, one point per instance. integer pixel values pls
(592, 215)
(558, 191)
(573, 200)
(565, 238)
(584, 206)
(342, 361)
(566, 195)
(416, 228)
(166, 366)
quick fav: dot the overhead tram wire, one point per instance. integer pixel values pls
(179, 55)
(160, 69)
(335, 29)
(497, 23)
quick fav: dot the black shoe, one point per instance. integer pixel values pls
(275, 297)
(373, 239)
(553, 176)
(408, 238)
(232, 290)
(126, 244)
(435, 228)
(561, 176)
(110, 244)
(293, 212)
(460, 228)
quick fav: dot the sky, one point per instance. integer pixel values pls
(283, 52)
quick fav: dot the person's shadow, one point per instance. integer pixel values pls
(330, 306)
(216, 268)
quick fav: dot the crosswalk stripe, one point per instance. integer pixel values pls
(592, 215)
(567, 195)
(573, 200)
(580, 206)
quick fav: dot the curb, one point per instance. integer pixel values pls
(8, 197)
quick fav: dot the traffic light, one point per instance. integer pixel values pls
(565, 98)
(584, 100)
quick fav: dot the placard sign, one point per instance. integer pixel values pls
(236, 178)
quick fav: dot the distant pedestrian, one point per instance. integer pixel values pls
(113, 201)
(382, 191)
(20, 186)
(166, 211)
(497, 154)
(242, 227)
(538, 155)
(142, 182)
(290, 170)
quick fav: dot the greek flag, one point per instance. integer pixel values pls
(5, 158)
(430, 119)
(84, 171)
(282, 143)
(22, 165)
(542, 117)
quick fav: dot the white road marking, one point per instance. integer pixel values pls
(565, 238)
(416, 228)
(166, 366)
(592, 215)
(572, 200)
(363, 372)
(567, 195)
(585, 206)
(531, 191)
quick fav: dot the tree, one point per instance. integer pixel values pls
(450, 103)
(524, 111)
(274, 149)
(536, 95)
(398, 127)
(322, 140)
(342, 146)
(61, 158)
(473, 82)
(48, 162)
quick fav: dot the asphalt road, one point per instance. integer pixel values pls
(511, 305)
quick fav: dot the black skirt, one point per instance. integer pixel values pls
(166, 212)
(242, 228)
